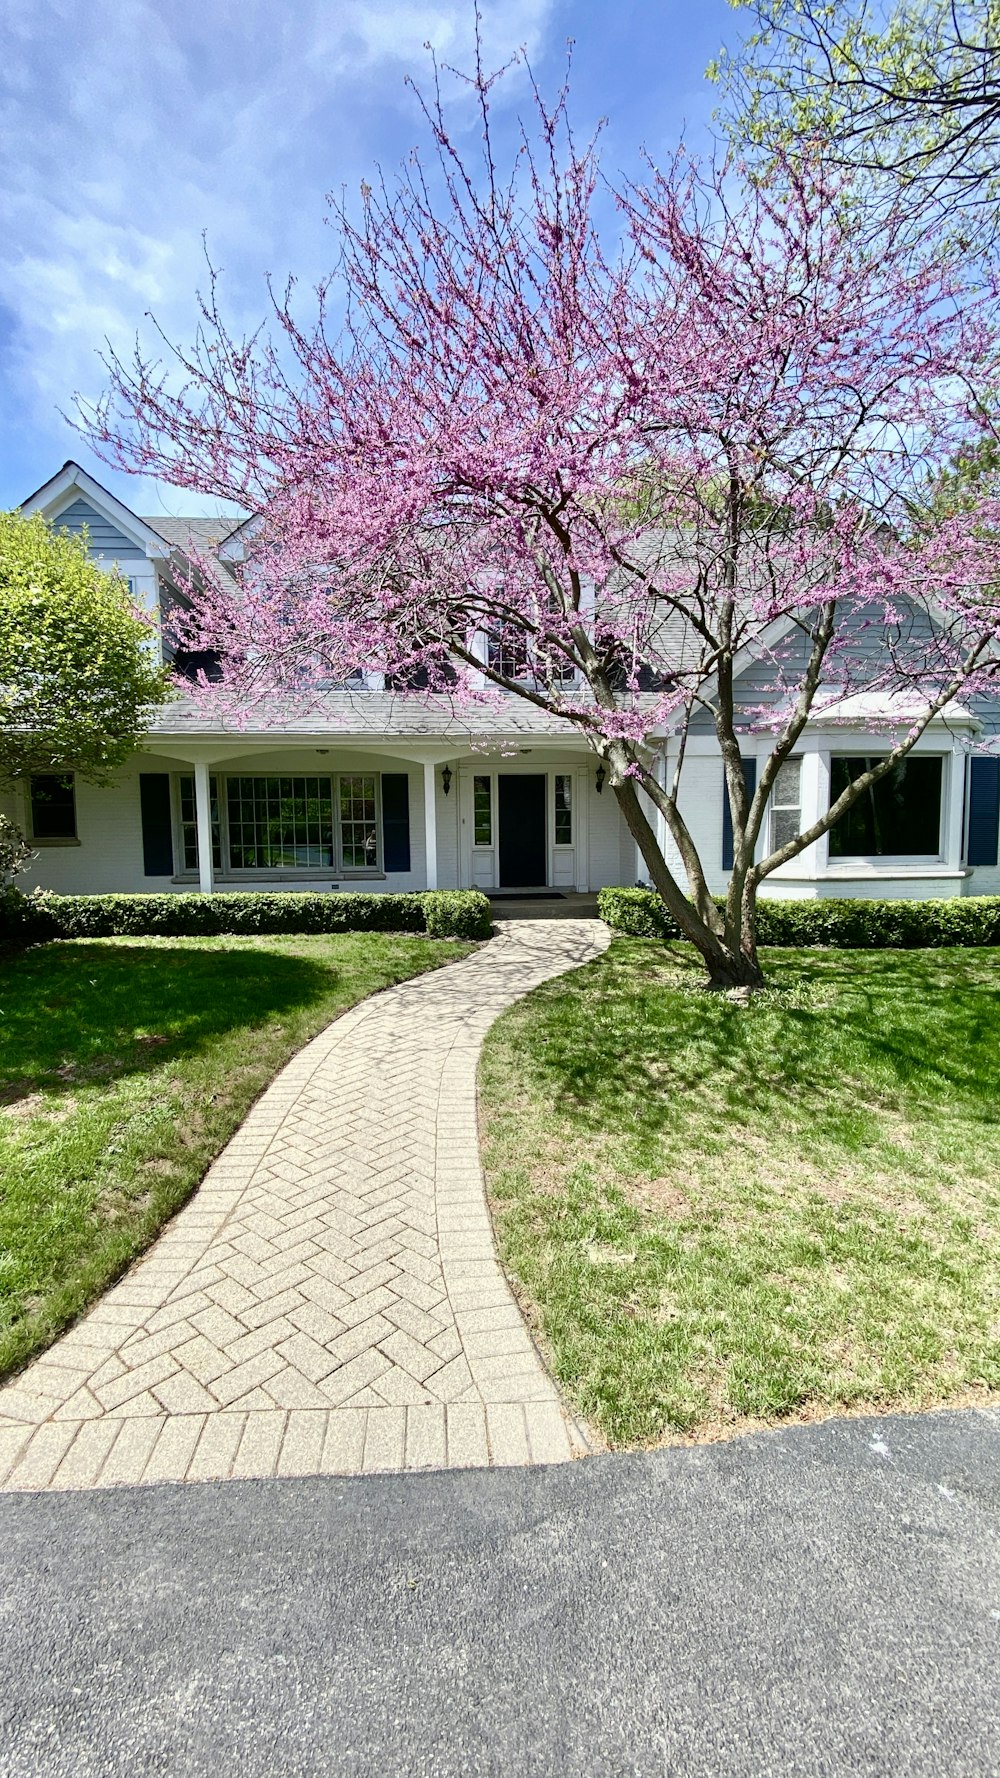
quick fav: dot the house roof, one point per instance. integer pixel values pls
(367, 714)
(204, 536)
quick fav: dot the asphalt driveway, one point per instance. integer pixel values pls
(823, 1600)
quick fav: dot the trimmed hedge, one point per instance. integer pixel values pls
(848, 925)
(442, 913)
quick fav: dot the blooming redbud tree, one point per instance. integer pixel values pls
(519, 454)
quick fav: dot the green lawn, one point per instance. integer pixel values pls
(719, 1214)
(125, 1066)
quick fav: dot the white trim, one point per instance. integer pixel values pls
(430, 824)
(56, 495)
(233, 546)
(203, 817)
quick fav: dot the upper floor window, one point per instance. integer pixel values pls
(53, 806)
(509, 655)
(899, 817)
(188, 663)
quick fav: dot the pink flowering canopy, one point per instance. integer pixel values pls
(515, 452)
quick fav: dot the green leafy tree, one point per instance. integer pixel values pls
(904, 94)
(14, 851)
(78, 679)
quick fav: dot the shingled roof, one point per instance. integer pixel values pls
(371, 714)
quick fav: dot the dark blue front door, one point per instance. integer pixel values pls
(522, 830)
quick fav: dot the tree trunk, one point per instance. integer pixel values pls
(730, 958)
(729, 967)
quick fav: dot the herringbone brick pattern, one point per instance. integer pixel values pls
(330, 1299)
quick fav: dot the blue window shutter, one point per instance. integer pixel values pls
(750, 780)
(395, 821)
(157, 836)
(984, 809)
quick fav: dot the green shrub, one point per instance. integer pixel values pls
(638, 912)
(456, 913)
(848, 925)
(445, 913)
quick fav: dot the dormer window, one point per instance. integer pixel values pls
(189, 663)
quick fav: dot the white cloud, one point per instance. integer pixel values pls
(134, 127)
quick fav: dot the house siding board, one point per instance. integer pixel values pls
(109, 856)
(701, 804)
(750, 780)
(606, 842)
(103, 537)
(760, 683)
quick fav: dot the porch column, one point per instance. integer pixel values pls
(430, 824)
(203, 813)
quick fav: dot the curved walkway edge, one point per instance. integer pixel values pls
(329, 1301)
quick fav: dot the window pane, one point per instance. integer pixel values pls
(482, 811)
(358, 823)
(508, 654)
(785, 794)
(786, 810)
(564, 810)
(53, 807)
(785, 824)
(898, 817)
(280, 823)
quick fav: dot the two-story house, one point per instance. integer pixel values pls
(379, 790)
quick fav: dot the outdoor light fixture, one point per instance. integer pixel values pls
(446, 779)
(599, 780)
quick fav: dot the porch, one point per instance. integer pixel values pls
(217, 814)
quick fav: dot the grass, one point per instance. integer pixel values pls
(125, 1066)
(721, 1215)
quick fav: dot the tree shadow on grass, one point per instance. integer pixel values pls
(84, 1012)
(842, 1040)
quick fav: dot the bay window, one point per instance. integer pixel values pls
(899, 817)
(786, 804)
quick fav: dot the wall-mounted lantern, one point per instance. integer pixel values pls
(600, 777)
(446, 780)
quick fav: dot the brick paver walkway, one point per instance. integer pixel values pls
(330, 1300)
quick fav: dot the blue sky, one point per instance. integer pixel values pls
(130, 128)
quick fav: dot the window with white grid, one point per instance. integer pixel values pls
(359, 822)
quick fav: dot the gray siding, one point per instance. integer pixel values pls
(104, 538)
(759, 685)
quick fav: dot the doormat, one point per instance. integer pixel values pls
(527, 895)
